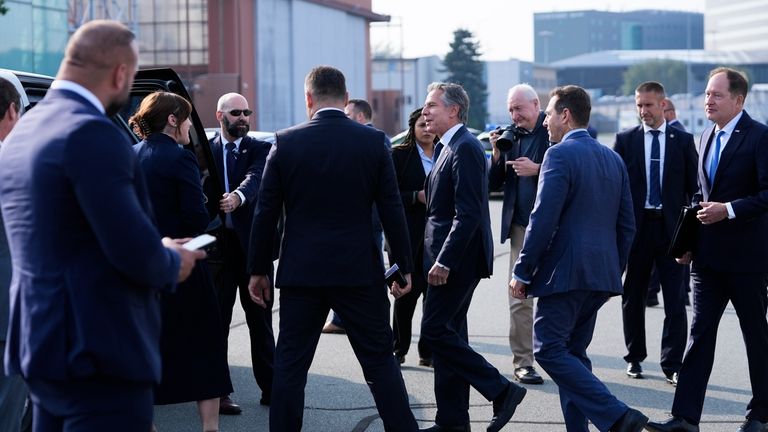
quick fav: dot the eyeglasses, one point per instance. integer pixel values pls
(237, 112)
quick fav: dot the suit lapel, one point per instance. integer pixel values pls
(670, 152)
(218, 158)
(639, 151)
(734, 142)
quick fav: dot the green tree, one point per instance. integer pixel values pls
(464, 67)
(3, 9)
(670, 73)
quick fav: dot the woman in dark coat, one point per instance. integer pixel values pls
(413, 161)
(192, 345)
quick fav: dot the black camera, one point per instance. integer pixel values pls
(510, 137)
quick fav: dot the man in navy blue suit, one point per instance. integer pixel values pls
(240, 163)
(88, 262)
(328, 257)
(730, 259)
(575, 248)
(458, 252)
(661, 164)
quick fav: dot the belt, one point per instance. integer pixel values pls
(653, 213)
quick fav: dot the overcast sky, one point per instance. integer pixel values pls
(504, 28)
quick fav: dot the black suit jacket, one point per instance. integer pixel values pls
(410, 180)
(499, 175)
(326, 174)
(252, 155)
(458, 221)
(679, 182)
(739, 244)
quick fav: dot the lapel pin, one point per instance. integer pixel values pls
(671, 135)
(244, 151)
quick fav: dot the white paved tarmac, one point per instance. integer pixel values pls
(337, 398)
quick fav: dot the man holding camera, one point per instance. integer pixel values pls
(517, 155)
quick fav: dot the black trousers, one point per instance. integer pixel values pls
(230, 279)
(712, 290)
(649, 249)
(402, 313)
(365, 312)
(457, 365)
(92, 405)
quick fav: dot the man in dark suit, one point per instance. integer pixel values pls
(661, 163)
(458, 252)
(240, 163)
(13, 392)
(88, 261)
(328, 258)
(575, 248)
(517, 171)
(730, 260)
(670, 115)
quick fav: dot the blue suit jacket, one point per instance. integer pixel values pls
(252, 155)
(500, 175)
(679, 183)
(458, 221)
(327, 174)
(87, 258)
(582, 226)
(173, 181)
(736, 245)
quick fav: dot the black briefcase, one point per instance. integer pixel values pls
(686, 232)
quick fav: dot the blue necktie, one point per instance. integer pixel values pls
(715, 159)
(654, 196)
(231, 162)
(438, 149)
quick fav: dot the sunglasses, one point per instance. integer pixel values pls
(237, 112)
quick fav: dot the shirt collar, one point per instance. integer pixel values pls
(571, 132)
(662, 128)
(731, 125)
(328, 109)
(224, 141)
(448, 135)
(80, 90)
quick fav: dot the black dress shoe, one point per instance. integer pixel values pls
(632, 421)
(438, 428)
(752, 425)
(634, 370)
(265, 399)
(652, 301)
(673, 424)
(528, 375)
(671, 377)
(228, 407)
(504, 409)
(425, 362)
(400, 359)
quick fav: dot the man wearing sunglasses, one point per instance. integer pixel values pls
(240, 162)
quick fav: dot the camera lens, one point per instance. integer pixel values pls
(506, 140)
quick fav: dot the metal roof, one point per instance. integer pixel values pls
(619, 58)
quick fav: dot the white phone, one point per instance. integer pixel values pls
(199, 242)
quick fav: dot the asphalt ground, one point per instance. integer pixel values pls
(337, 398)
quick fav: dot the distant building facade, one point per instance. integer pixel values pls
(735, 25)
(559, 35)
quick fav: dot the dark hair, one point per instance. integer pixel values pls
(152, 114)
(362, 106)
(453, 94)
(651, 86)
(8, 95)
(576, 100)
(410, 137)
(326, 83)
(738, 85)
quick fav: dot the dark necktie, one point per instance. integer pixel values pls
(438, 149)
(231, 162)
(715, 159)
(654, 197)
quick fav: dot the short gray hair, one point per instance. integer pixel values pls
(526, 90)
(453, 94)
